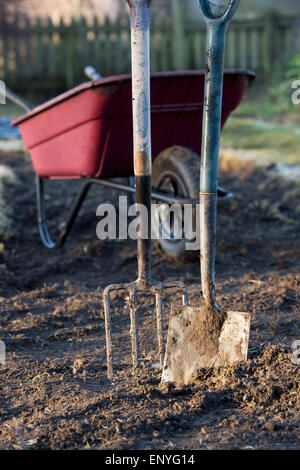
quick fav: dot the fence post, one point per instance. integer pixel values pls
(70, 53)
(268, 42)
(39, 48)
(295, 27)
(179, 39)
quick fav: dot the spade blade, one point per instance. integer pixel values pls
(194, 344)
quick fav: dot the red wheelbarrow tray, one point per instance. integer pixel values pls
(87, 131)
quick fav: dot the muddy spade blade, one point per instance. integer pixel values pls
(192, 346)
(208, 337)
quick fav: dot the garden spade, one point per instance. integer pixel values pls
(207, 336)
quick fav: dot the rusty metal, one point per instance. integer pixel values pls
(140, 25)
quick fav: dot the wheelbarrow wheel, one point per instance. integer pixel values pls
(175, 171)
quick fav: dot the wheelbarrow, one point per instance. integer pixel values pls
(86, 133)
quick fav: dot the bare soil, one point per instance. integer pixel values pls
(54, 391)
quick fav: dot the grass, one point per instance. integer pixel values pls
(262, 126)
(272, 141)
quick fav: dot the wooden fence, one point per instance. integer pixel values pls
(46, 57)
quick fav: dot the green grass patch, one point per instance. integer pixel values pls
(269, 103)
(266, 125)
(8, 184)
(279, 141)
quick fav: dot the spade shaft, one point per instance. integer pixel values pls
(207, 336)
(217, 16)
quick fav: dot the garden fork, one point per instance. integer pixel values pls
(140, 49)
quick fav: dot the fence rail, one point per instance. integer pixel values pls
(43, 56)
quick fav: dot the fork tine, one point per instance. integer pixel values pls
(109, 349)
(159, 319)
(185, 297)
(133, 328)
(160, 314)
(177, 285)
(132, 288)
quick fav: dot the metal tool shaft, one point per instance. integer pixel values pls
(140, 53)
(141, 110)
(217, 17)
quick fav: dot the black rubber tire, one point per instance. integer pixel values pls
(182, 166)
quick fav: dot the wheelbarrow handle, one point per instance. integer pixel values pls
(12, 96)
(219, 13)
(92, 73)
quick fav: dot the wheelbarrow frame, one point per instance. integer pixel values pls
(97, 179)
(44, 233)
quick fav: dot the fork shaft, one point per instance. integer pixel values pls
(216, 36)
(143, 198)
(140, 53)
